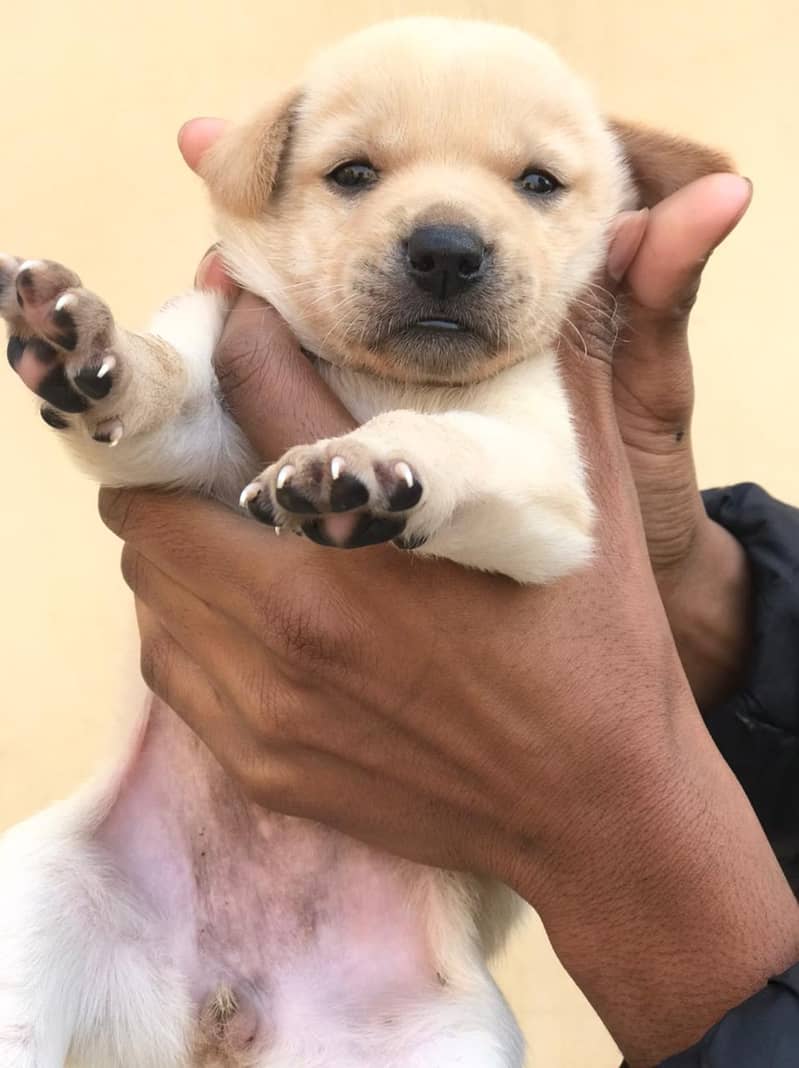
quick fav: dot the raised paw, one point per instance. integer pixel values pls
(340, 493)
(62, 344)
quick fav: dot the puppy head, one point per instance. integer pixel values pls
(430, 202)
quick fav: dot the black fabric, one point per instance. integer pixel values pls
(761, 1033)
(757, 729)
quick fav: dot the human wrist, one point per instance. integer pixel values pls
(708, 605)
(667, 905)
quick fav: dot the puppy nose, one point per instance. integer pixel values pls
(445, 260)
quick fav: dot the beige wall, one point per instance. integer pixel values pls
(93, 92)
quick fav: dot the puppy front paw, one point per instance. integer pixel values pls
(62, 344)
(342, 493)
(96, 380)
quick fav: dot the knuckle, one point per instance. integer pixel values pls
(130, 565)
(154, 663)
(239, 360)
(118, 510)
(289, 722)
(267, 778)
(313, 629)
(254, 352)
(274, 712)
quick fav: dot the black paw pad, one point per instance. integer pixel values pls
(53, 418)
(57, 390)
(347, 493)
(410, 542)
(294, 501)
(404, 496)
(402, 488)
(16, 346)
(260, 508)
(67, 337)
(94, 382)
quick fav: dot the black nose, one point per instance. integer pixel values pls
(445, 260)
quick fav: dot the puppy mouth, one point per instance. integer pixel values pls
(440, 326)
(434, 328)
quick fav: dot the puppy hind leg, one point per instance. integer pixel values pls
(79, 962)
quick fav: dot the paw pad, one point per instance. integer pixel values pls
(403, 489)
(95, 379)
(367, 530)
(289, 496)
(341, 498)
(53, 418)
(61, 344)
(347, 492)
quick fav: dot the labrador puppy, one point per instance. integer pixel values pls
(424, 209)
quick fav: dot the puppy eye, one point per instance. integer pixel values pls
(538, 182)
(353, 175)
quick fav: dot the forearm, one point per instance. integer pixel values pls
(674, 918)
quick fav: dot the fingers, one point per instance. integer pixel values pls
(273, 391)
(211, 274)
(233, 662)
(295, 779)
(196, 136)
(174, 676)
(168, 670)
(652, 365)
(626, 236)
(219, 556)
(593, 319)
(242, 691)
(681, 233)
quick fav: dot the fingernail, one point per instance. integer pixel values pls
(627, 232)
(53, 418)
(199, 277)
(212, 276)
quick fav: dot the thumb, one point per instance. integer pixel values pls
(196, 136)
(270, 387)
(681, 234)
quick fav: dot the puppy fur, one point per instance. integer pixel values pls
(158, 919)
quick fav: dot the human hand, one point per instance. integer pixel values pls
(701, 570)
(319, 680)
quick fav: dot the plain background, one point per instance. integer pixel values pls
(93, 93)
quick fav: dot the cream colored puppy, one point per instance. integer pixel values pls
(424, 210)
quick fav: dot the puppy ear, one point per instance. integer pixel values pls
(661, 164)
(242, 167)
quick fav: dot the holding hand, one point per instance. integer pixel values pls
(437, 712)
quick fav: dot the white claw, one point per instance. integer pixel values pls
(336, 467)
(277, 532)
(116, 436)
(249, 493)
(108, 364)
(64, 301)
(405, 473)
(28, 264)
(283, 475)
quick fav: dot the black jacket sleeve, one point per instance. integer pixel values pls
(761, 1033)
(757, 729)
